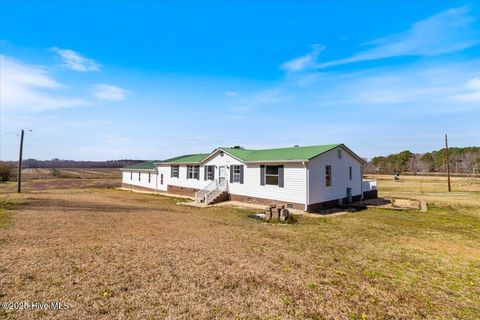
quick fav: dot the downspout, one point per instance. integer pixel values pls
(305, 164)
(156, 179)
(361, 182)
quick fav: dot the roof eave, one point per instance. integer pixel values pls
(277, 161)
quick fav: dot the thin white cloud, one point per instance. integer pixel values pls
(30, 88)
(75, 61)
(303, 62)
(109, 92)
(448, 31)
(230, 93)
(473, 92)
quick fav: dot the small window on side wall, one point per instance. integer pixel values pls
(149, 177)
(139, 176)
(131, 175)
(350, 173)
(339, 153)
(328, 176)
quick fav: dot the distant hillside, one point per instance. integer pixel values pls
(59, 163)
(462, 160)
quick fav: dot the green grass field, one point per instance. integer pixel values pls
(117, 254)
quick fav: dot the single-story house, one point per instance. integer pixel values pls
(306, 178)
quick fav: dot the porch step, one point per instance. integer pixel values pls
(220, 198)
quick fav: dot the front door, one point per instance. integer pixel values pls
(221, 173)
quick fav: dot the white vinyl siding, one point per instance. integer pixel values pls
(340, 179)
(294, 190)
(142, 179)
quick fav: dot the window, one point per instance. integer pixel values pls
(161, 178)
(271, 175)
(192, 172)
(139, 176)
(209, 175)
(328, 176)
(350, 172)
(175, 171)
(339, 153)
(149, 177)
(131, 175)
(236, 173)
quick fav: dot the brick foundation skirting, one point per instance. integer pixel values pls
(266, 202)
(134, 187)
(183, 191)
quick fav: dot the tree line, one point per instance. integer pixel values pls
(462, 160)
(60, 163)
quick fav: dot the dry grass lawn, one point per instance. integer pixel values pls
(114, 254)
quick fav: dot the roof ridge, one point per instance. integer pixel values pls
(312, 146)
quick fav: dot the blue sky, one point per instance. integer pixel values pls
(151, 80)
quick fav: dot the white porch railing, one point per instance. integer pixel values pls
(200, 195)
(369, 185)
(222, 187)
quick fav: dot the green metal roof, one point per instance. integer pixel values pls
(280, 154)
(148, 165)
(189, 158)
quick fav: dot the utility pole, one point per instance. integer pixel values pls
(447, 162)
(19, 187)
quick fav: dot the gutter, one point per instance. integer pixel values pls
(135, 170)
(361, 182)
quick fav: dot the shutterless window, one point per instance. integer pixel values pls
(271, 175)
(175, 171)
(328, 176)
(209, 172)
(339, 153)
(131, 175)
(350, 172)
(149, 177)
(161, 178)
(139, 176)
(236, 173)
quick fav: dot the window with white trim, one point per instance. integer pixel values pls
(339, 153)
(192, 172)
(139, 176)
(175, 171)
(149, 177)
(328, 176)
(161, 178)
(271, 175)
(131, 175)
(236, 173)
